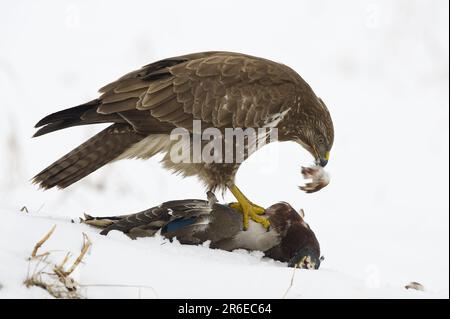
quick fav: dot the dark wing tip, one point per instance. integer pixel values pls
(43, 121)
(54, 126)
(40, 132)
(68, 114)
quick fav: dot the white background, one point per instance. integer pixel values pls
(380, 66)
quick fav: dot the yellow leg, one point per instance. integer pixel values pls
(248, 209)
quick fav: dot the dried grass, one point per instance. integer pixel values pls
(57, 282)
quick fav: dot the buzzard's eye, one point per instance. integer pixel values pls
(320, 140)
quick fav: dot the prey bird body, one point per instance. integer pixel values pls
(219, 89)
(194, 222)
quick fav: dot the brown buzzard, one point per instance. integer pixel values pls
(219, 89)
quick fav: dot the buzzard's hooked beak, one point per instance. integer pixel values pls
(324, 161)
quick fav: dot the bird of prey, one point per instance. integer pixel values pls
(194, 221)
(219, 89)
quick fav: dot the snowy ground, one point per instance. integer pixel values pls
(380, 66)
(117, 267)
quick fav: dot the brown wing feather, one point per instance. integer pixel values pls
(219, 88)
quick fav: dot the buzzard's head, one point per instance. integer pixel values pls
(316, 134)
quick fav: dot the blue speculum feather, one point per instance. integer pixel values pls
(177, 224)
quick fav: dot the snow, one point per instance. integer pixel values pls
(156, 268)
(381, 67)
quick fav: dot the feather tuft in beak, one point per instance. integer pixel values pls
(319, 178)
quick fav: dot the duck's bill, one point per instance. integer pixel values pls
(305, 259)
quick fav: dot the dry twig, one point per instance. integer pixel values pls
(59, 269)
(41, 242)
(292, 282)
(64, 286)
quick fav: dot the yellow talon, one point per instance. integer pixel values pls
(248, 209)
(236, 206)
(258, 209)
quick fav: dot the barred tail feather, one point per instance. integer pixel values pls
(88, 157)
